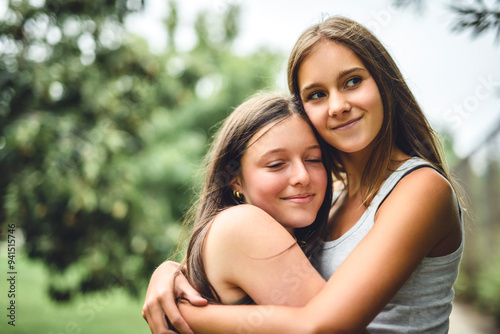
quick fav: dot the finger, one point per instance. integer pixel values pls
(186, 291)
(161, 300)
(170, 327)
(154, 316)
(174, 316)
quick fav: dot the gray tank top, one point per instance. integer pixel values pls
(424, 303)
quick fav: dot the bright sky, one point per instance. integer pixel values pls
(455, 78)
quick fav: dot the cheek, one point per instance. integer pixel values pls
(374, 100)
(379, 115)
(320, 178)
(316, 117)
(261, 187)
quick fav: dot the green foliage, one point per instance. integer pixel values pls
(488, 285)
(100, 140)
(98, 312)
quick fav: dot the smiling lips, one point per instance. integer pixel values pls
(300, 198)
(347, 125)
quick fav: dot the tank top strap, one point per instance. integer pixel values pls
(406, 168)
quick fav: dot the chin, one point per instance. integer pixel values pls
(302, 223)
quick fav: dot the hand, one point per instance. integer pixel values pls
(165, 287)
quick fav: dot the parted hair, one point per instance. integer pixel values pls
(222, 165)
(404, 125)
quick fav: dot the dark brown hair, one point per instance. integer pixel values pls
(222, 165)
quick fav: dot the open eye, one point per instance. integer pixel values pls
(353, 82)
(315, 95)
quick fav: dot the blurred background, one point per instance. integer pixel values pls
(107, 107)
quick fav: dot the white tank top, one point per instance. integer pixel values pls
(424, 303)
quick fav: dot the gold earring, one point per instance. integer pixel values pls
(238, 196)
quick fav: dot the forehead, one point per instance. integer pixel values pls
(329, 55)
(280, 133)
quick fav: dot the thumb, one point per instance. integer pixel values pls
(195, 298)
(186, 291)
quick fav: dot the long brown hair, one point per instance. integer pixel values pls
(222, 165)
(404, 125)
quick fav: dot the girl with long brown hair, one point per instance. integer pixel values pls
(262, 209)
(394, 239)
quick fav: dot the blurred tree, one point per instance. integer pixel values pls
(100, 139)
(477, 15)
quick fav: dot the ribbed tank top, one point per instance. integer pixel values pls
(424, 302)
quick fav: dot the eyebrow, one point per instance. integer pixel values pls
(279, 150)
(341, 74)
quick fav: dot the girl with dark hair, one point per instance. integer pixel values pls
(263, 208)
(264, 167)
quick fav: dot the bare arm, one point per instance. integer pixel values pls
(418, 216)
(262, 319)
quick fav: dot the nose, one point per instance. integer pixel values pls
(300, 174)
(338, 105)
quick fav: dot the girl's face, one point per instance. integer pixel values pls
(340, 97)
(282, 173)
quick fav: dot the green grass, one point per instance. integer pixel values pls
(106, 312)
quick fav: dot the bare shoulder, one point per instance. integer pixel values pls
(242, 212)
(424, 203)
(242, 219)
(250, 229)
(425, 184)
(424, 191)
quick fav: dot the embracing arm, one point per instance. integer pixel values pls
(246, 250)
(262, 319)
(417, 218)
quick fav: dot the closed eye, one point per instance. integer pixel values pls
(275, 165)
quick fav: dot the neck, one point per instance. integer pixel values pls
(355, 164)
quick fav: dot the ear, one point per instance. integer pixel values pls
(235, 184)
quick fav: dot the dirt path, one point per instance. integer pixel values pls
(466, 320)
